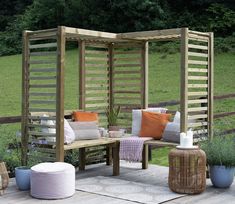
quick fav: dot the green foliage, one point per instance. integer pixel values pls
(112, 115)
(220, 150)
(113, 16)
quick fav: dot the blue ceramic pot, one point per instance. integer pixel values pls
(22, 176)
(221, 176)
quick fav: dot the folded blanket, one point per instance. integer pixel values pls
(131, 148)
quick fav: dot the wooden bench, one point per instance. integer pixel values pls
(112, 151)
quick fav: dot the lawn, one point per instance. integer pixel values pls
(163, 80)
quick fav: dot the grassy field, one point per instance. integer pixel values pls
(163, 81)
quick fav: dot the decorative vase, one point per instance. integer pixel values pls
(22, 176)
(221, 176)
(4, 178)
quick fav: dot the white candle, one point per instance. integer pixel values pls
(182, 139)
(190, 136)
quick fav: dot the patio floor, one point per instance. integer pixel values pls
(154, 175)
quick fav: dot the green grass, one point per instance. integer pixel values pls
(160, 156)
(164, 84)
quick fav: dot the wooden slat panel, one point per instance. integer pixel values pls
(197, 109)
(104, 72)
(42, 77)
(96, 99)
(127, 97)
(96, 78)
(197, 70)
(135, 59)
(197, 101)
(202, 93)
(42, 86)
(96, 65)
(41, 126)
(34, 133)
(42, 62)
(127, 79)
(41, 110)
(41, 118)
(43, 70)
(97, 91)
(202, 78)
(97, 86)
(200, 124)
(127, 72)
(200, 47)
(100, 52)
(45, 45)
(196, 54)
(46, 53)
(197, 85)
(127, 92)
(97, 105)
(127, 65)
(42, 102)
(198, 62)
(201, 116)
(102, 59)
(41, 94)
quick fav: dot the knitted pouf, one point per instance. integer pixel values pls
(52, 180)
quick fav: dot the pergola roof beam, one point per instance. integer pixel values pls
(89, 33)
(145, 35)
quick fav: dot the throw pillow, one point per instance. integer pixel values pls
(137, 117)
(172, 132)
(69, 135)
(85, 130)
(153, 124)
(85, 116)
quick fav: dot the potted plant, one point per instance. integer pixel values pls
(112, 115)
(220, 153)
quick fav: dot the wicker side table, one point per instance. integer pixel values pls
(187, 171)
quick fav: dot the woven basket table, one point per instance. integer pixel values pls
(187, 171)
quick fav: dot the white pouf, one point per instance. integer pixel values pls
(52, 180)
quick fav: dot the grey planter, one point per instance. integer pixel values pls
(221, 176)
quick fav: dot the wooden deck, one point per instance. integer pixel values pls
(155, 175)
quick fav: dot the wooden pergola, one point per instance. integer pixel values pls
(113, 71)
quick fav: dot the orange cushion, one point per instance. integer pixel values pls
(85, 116)
(153, 124)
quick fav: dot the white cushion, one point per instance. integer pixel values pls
(171, 132)
(137, 118)
(69, 135)
(85, 130)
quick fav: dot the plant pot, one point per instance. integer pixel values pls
(114, 128)
(22, 176)
(221, 176)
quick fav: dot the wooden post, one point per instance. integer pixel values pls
(116, 158)
(184, 81)
(210, 84)
(60, 94)
(82, 159)
(82, 75)
(144, 90)
(111, 82)
(25, 98)
(145, 154)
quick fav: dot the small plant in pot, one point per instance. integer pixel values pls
(220, 153)
(112, 115)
